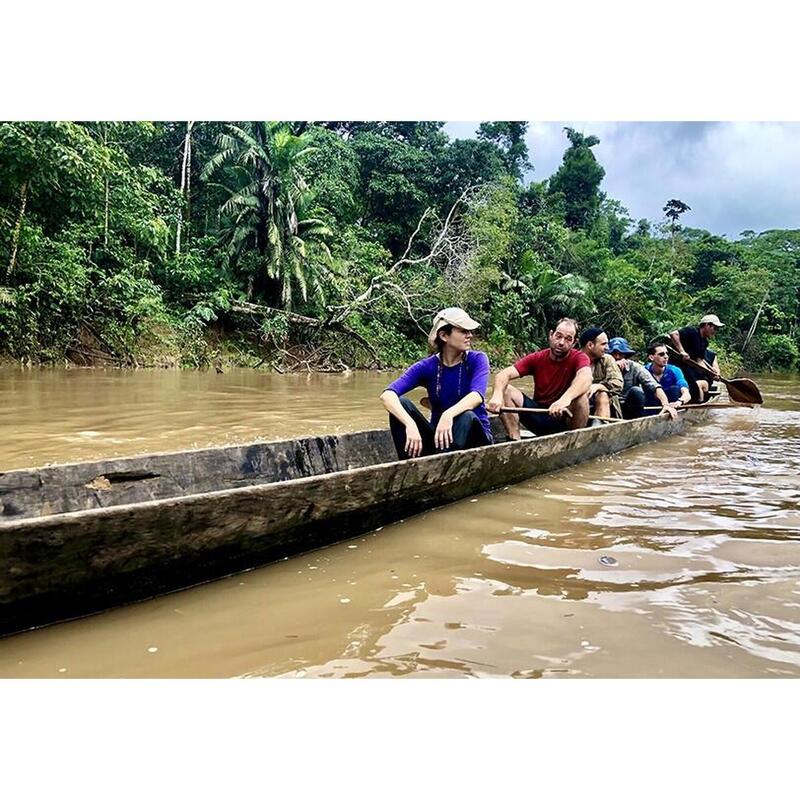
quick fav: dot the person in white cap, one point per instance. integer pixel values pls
(455, 378)
(692, 342)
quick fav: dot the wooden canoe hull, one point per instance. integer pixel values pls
(63, 565)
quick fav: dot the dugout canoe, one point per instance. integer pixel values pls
(80, 538)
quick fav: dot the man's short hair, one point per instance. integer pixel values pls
(651, 348)
(589, 335)
(568, 321)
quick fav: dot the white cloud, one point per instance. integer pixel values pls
(734, 175)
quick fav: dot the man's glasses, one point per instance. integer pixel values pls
(665, 354)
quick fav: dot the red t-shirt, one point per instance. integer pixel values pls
(551, 378)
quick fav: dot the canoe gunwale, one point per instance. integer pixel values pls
(123, 508)
(74, 563)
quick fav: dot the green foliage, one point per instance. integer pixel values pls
(510, 139)
(396, 185)
(271, 224)
(779, 352)
(578, 180)
(315, 217)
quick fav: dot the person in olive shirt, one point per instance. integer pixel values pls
(692, 343)
(606, 378)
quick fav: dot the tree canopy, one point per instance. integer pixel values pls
(327, 244)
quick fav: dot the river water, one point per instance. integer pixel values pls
(703, 530)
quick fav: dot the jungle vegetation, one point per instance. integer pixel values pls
(329, 245)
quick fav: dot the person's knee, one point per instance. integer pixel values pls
(512, 396)
(636, 396)
(465, 420)
(407, 404)
(580, 403)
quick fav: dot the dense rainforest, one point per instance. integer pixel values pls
(329, 245)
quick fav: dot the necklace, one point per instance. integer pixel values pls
(439, 375)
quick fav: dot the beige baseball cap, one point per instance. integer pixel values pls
(713, 319)
(451, 316)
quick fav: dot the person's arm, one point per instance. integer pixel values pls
(443, 436)
(478, 369)
(413, 377)
(665, 406)
(613, 381)
(391, 402)
(686, 395)
(715, 367)
(580, 385)
(677, 344)
(501, 381)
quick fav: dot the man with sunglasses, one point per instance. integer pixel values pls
(669, 377)
(692, 343)
(561, 380)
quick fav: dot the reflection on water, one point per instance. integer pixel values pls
(704, 532)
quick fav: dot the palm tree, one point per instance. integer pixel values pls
(548, 293)
(269, 212)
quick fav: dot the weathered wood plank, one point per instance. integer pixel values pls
(150, 539)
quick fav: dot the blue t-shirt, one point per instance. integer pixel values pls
(672, 376)
(447, 385)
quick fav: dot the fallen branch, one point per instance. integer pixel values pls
(299, 319)
(441, 244)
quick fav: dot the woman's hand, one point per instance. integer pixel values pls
(413, 440)
(443, 436)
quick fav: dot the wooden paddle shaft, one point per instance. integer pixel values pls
(703, 405)
(520, 410)
(515, 410)
(740, 390)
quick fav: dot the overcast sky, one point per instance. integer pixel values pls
(735, 175)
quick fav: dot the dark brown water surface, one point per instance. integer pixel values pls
(703, 532)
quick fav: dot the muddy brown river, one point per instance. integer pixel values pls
(702, 531)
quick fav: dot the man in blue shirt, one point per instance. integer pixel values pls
(671, 379)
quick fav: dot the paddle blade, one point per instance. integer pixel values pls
(743, 390)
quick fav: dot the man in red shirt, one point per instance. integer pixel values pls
(561, 380)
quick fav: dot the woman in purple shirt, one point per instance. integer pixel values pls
(455, 378)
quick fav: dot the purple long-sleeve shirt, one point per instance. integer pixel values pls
(447, 385)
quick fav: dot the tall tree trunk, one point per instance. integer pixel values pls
(23, 194)
(186, 166)
(105, 214)
(105, 219)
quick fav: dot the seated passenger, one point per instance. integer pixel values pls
(455, 378)
(606, 377)
(669, 377)
(639, 387)
(561, 379)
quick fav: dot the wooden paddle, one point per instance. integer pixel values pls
(740, 390)
(520, 410)
(515, 410)
(703, 405)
